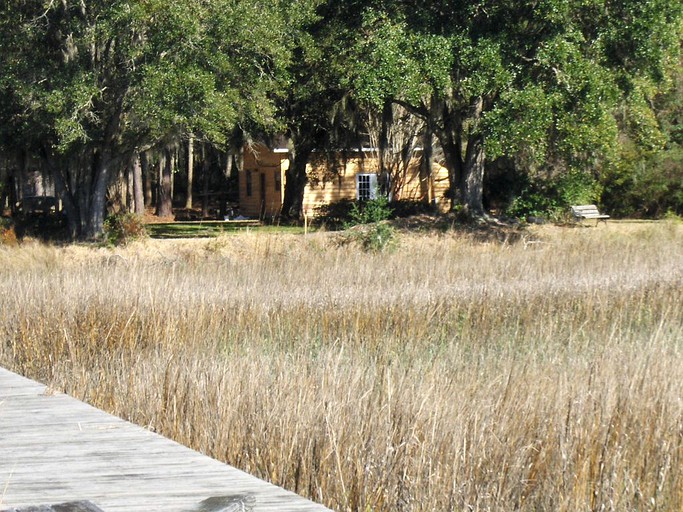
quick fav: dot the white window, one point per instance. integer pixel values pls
(366, 187)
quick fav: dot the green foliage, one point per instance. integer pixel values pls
(565, 117)
(372, 211)
(648, 186)
(533, 110)
(577, 187)
(546, 77)
(337, 215)
(538, 82)
(385, 66)
(123, 228)
(673, 217)
(551, 198)
(534, 200)
(646, 177)
(367, 224)
(89, 83)
(334, 215)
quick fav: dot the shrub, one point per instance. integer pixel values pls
(341, 214)
(646, 186)
(408, 207)
(373, 233)
(533, 200)
(541, 197)
(123, 228)
(334, 215)
(377, 237)
(366, 212)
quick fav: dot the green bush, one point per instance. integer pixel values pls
(533, 200)
(646, 186)
(367, 226)
(542, 197)
(576, 187)
(123, 228)
(377, 237)
(366, 212)
(338, 215)
(334, 215)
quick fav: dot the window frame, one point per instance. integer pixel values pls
(278, 181)
(366, 186)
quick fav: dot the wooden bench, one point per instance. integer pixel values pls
(588, 211)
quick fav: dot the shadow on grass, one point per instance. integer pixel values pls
(493, 231)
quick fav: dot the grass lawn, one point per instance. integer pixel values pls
(208, 229)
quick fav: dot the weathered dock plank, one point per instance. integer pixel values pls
(57, 450)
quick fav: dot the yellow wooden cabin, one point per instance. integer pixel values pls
(352, 176)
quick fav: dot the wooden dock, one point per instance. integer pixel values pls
(55, 449)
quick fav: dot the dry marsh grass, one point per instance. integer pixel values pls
(450, 374)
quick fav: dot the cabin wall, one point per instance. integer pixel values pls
(262, 179)
(261, 182)
(327, 186)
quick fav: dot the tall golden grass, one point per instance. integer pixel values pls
(450, 374)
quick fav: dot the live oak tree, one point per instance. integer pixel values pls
(521, 78)
(69, 80)
(85, 85)
(312, 113)
(397, 139)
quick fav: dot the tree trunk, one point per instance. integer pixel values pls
(385, 121)
(138, 195)
(471, 186)
(466, 175)
(470, 191)
(130, 193)
(451, 142)
(147, 177)
(426, 180)
(229, 165)
(173, 158)
(94, 216)
(205, 182)
(164, 200)
(295, 182)
(95, 193)
(73, 218)
(190, 171)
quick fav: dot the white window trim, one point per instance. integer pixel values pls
(372, 184)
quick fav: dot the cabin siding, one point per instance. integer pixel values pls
(325, 187)
(261, 182)
(328, 183)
